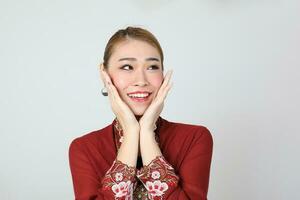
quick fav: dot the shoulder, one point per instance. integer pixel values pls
(197, 133)
(91, 139)
(198, 130)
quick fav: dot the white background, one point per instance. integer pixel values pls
(236, 71)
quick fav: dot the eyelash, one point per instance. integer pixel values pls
(153, 66)
(123, 67)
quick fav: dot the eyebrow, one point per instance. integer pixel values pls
(134, 59)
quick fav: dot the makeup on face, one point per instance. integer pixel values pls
(136, 71)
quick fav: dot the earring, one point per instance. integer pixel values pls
(104, 91)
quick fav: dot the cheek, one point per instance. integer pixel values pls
(122, 82)
(156, 81)
(119, 82)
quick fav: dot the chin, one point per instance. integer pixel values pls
(138, 112)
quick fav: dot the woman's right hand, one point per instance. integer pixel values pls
(123, 113)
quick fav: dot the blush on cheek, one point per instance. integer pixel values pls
(157, 81)
(119, 82)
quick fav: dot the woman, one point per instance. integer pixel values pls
(140, 155)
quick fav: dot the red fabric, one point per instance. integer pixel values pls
(120, 180)
(187, 152)
(159, 178)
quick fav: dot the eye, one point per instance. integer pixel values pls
(154, 67)
(126, 67)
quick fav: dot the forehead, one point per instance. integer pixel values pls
(134, 48)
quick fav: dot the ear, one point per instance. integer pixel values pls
(101, 66)
(101, 69)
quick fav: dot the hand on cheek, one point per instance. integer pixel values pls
(148, 120)
(123, 113)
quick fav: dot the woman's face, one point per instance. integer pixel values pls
(136, 71)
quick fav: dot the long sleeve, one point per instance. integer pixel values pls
(195, 170)
(158, 177)
(118, 182)
(192, 179)
(182, 172)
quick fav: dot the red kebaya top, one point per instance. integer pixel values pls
(182, 172)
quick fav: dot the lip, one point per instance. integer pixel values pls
(139, 99)
(139, 92)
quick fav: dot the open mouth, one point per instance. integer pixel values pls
(139, 97)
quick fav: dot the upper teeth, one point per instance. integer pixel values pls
(139, 95)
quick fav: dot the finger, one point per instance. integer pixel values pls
(106, 77)
(111, 98)
(163, 95)
(103, 78)
(114, 92)
(103, 74)
(101, 69)
(165, 92)
(165, 83)
(107, 82)
(167, 78)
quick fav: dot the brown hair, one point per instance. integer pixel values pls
(131, 33)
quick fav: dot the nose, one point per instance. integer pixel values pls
(141, 78)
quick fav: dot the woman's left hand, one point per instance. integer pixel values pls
(148, 120)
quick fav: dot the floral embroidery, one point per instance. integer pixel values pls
(120, 179)
(167, 165)
(156, 188)
(123, 189)
(119, 176)
(150, 182)
(155, 175)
